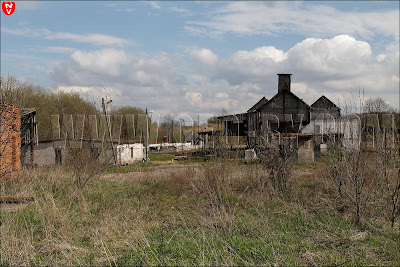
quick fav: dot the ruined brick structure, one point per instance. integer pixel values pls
(10, 140)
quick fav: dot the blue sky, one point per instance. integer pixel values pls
(199, 57)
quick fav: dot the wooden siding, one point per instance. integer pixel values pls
(286, 103)
(324, 108)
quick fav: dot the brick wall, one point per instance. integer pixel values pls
(10, 140)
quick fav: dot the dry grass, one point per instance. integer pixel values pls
(216, 213)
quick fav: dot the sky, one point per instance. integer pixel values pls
(198, 57)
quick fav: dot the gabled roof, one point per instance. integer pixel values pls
(290, 93)
(324, 102)
(258, 104)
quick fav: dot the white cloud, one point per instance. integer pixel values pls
(27, 32)
(250, 18)
(59, 49)
(261, 54)
(106, 61)
(338, 67)
(27, 5)
(75, 89)
(154, 4)
(93, 93)
(202, 55)
(179, 10)
(109, 4)
(221, 95)
(91, 38)
(194, 98)
(97, 39)
(341, 55)
(128, 10)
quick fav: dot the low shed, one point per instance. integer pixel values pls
(128, 153)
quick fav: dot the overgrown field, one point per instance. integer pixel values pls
(222, 212)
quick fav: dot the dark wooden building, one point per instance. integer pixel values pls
(284, 113)
(322, 107)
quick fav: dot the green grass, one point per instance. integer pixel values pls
(160, 157)
(136, 166)
(164, 220)
(196, 159)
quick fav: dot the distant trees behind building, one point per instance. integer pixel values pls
(377, 105)
(25, 95)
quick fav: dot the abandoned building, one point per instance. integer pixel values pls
(284, 113)
(18, 134)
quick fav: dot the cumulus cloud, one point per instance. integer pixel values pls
(341, 55)
(261, 53)
(202, 55)
(337, 67)
(106, 61)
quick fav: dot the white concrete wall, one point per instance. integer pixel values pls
(178, 146)
(349, 127)
(321, 126)
(129, 153)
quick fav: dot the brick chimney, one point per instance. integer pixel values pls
(284, 82)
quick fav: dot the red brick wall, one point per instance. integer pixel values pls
(10, 140)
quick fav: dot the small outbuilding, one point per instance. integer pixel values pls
(129, 153)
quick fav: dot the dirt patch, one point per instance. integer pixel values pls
(311, 258)
(359, 235)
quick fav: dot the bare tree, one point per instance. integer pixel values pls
(223, 112)
(388, 168)
(350, 170)
(335, 163)
(278, 161)
(376, 105)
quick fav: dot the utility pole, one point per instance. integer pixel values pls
(133, 125)
(109, 130)
(32, 119)
(226, 132)
(180, 130)
(172, 129)
(180, 133)
(147, 134)
(198, 127)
